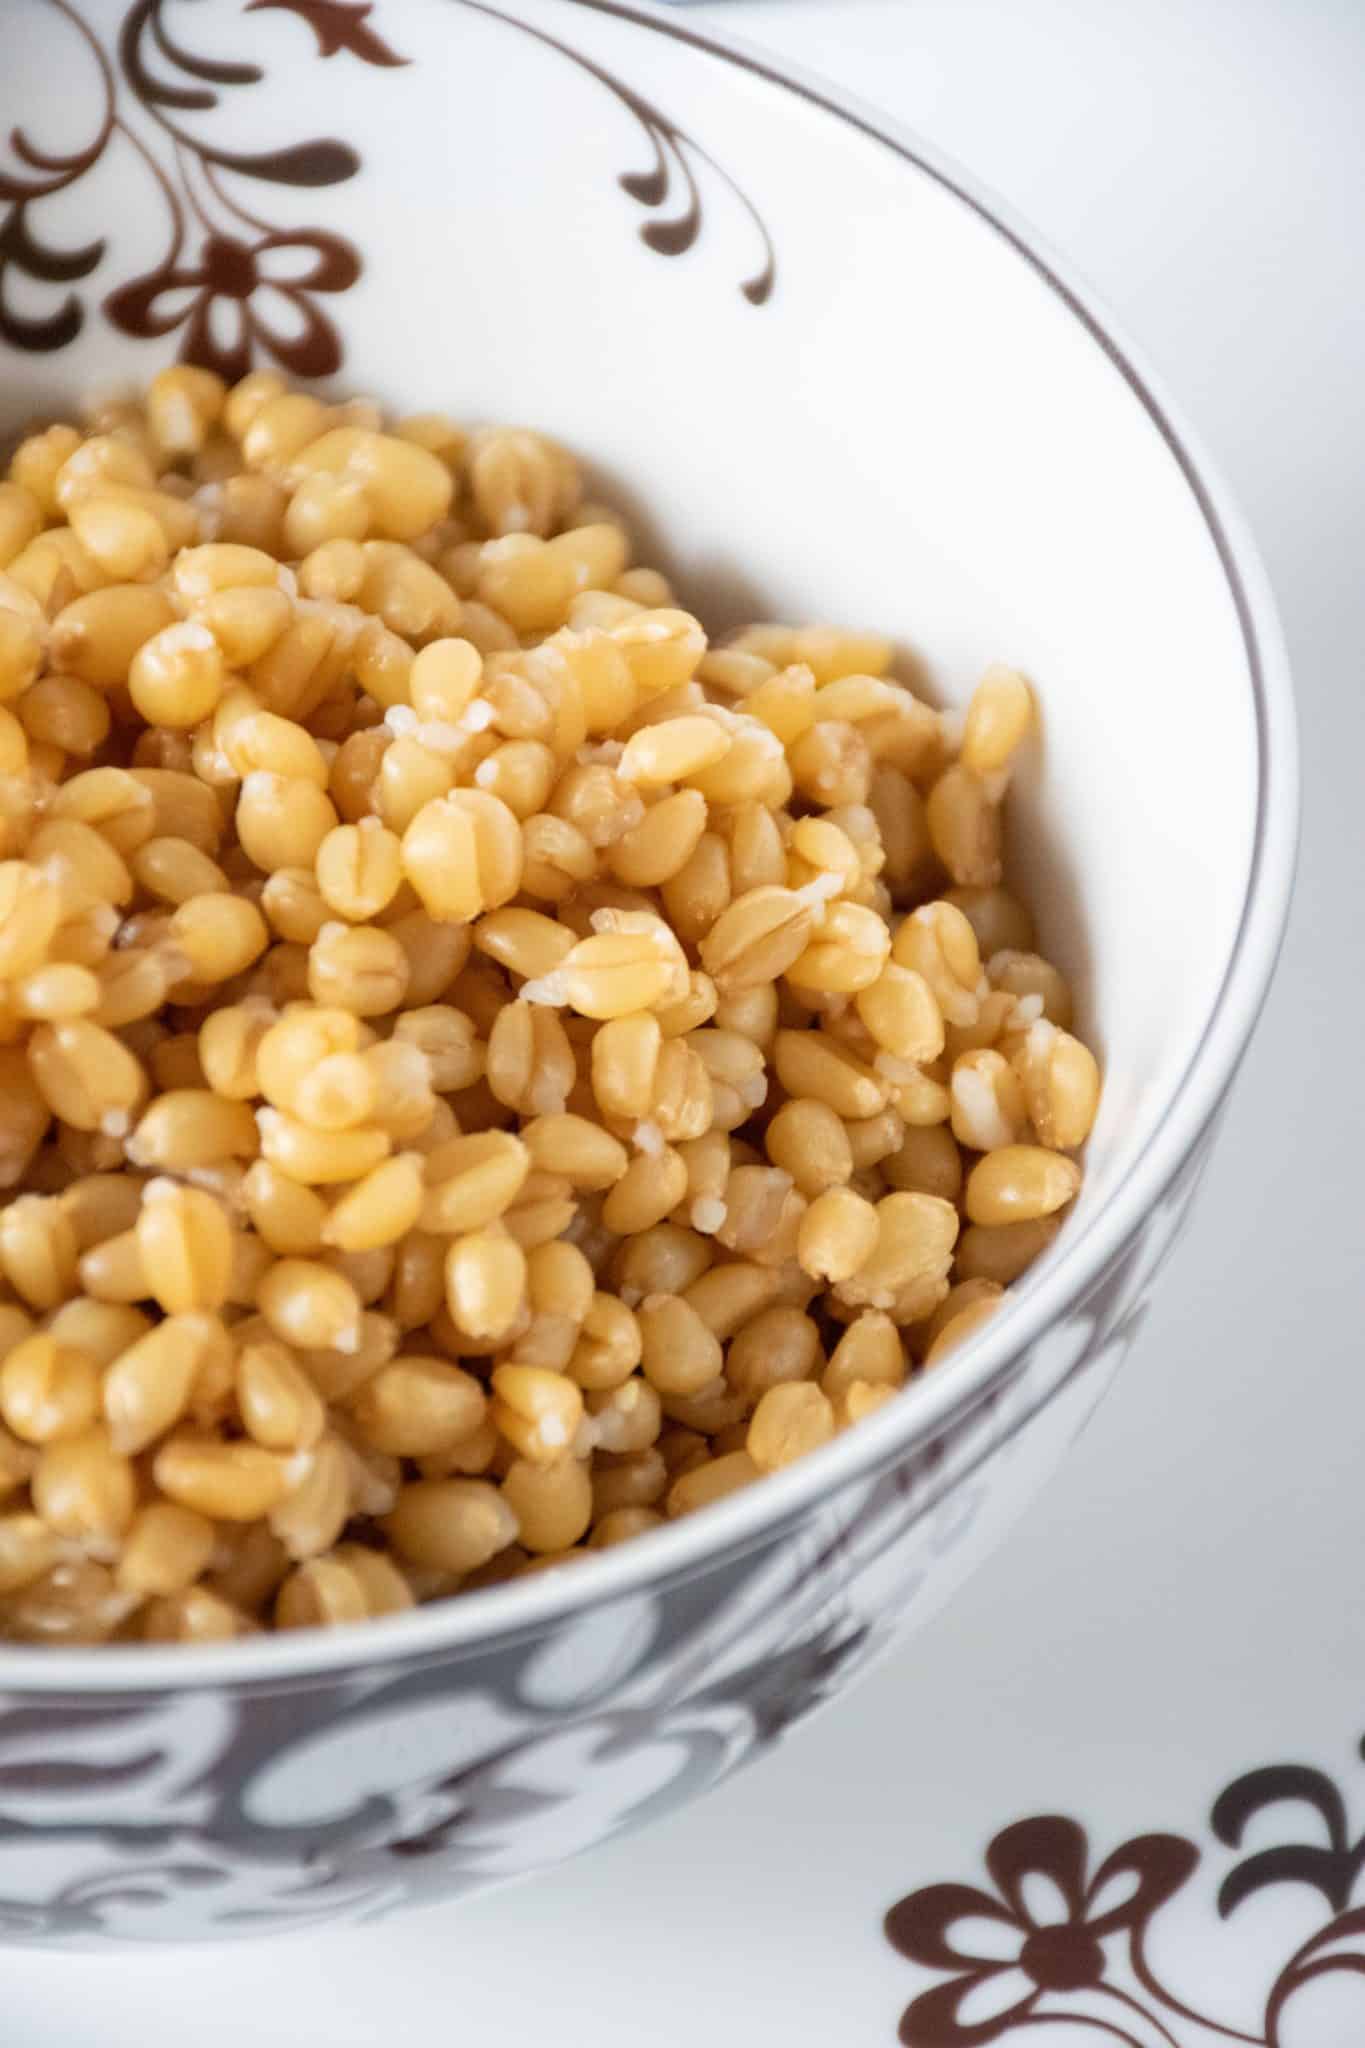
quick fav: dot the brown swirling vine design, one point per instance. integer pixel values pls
(1086, 1965)
(236, 287)
(675, 152)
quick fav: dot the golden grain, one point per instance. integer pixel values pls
(467, 1045)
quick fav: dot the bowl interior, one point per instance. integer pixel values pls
(911, 429)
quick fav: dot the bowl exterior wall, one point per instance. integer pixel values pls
(218, 1813)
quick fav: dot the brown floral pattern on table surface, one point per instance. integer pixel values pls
(238, 288)
(1012, 1968)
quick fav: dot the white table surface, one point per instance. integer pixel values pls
(1184, 1602)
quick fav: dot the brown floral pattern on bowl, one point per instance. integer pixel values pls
(240, 289)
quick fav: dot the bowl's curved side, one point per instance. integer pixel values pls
(210, 1815)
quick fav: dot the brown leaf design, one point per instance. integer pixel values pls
(338, 25)
(1331, 1866)
(21, 251)
(324, 162)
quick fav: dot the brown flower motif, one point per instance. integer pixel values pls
(241, 294)
(1013, 1954)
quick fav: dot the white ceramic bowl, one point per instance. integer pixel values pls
(833, 379)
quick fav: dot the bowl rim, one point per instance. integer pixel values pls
(500, 1614)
